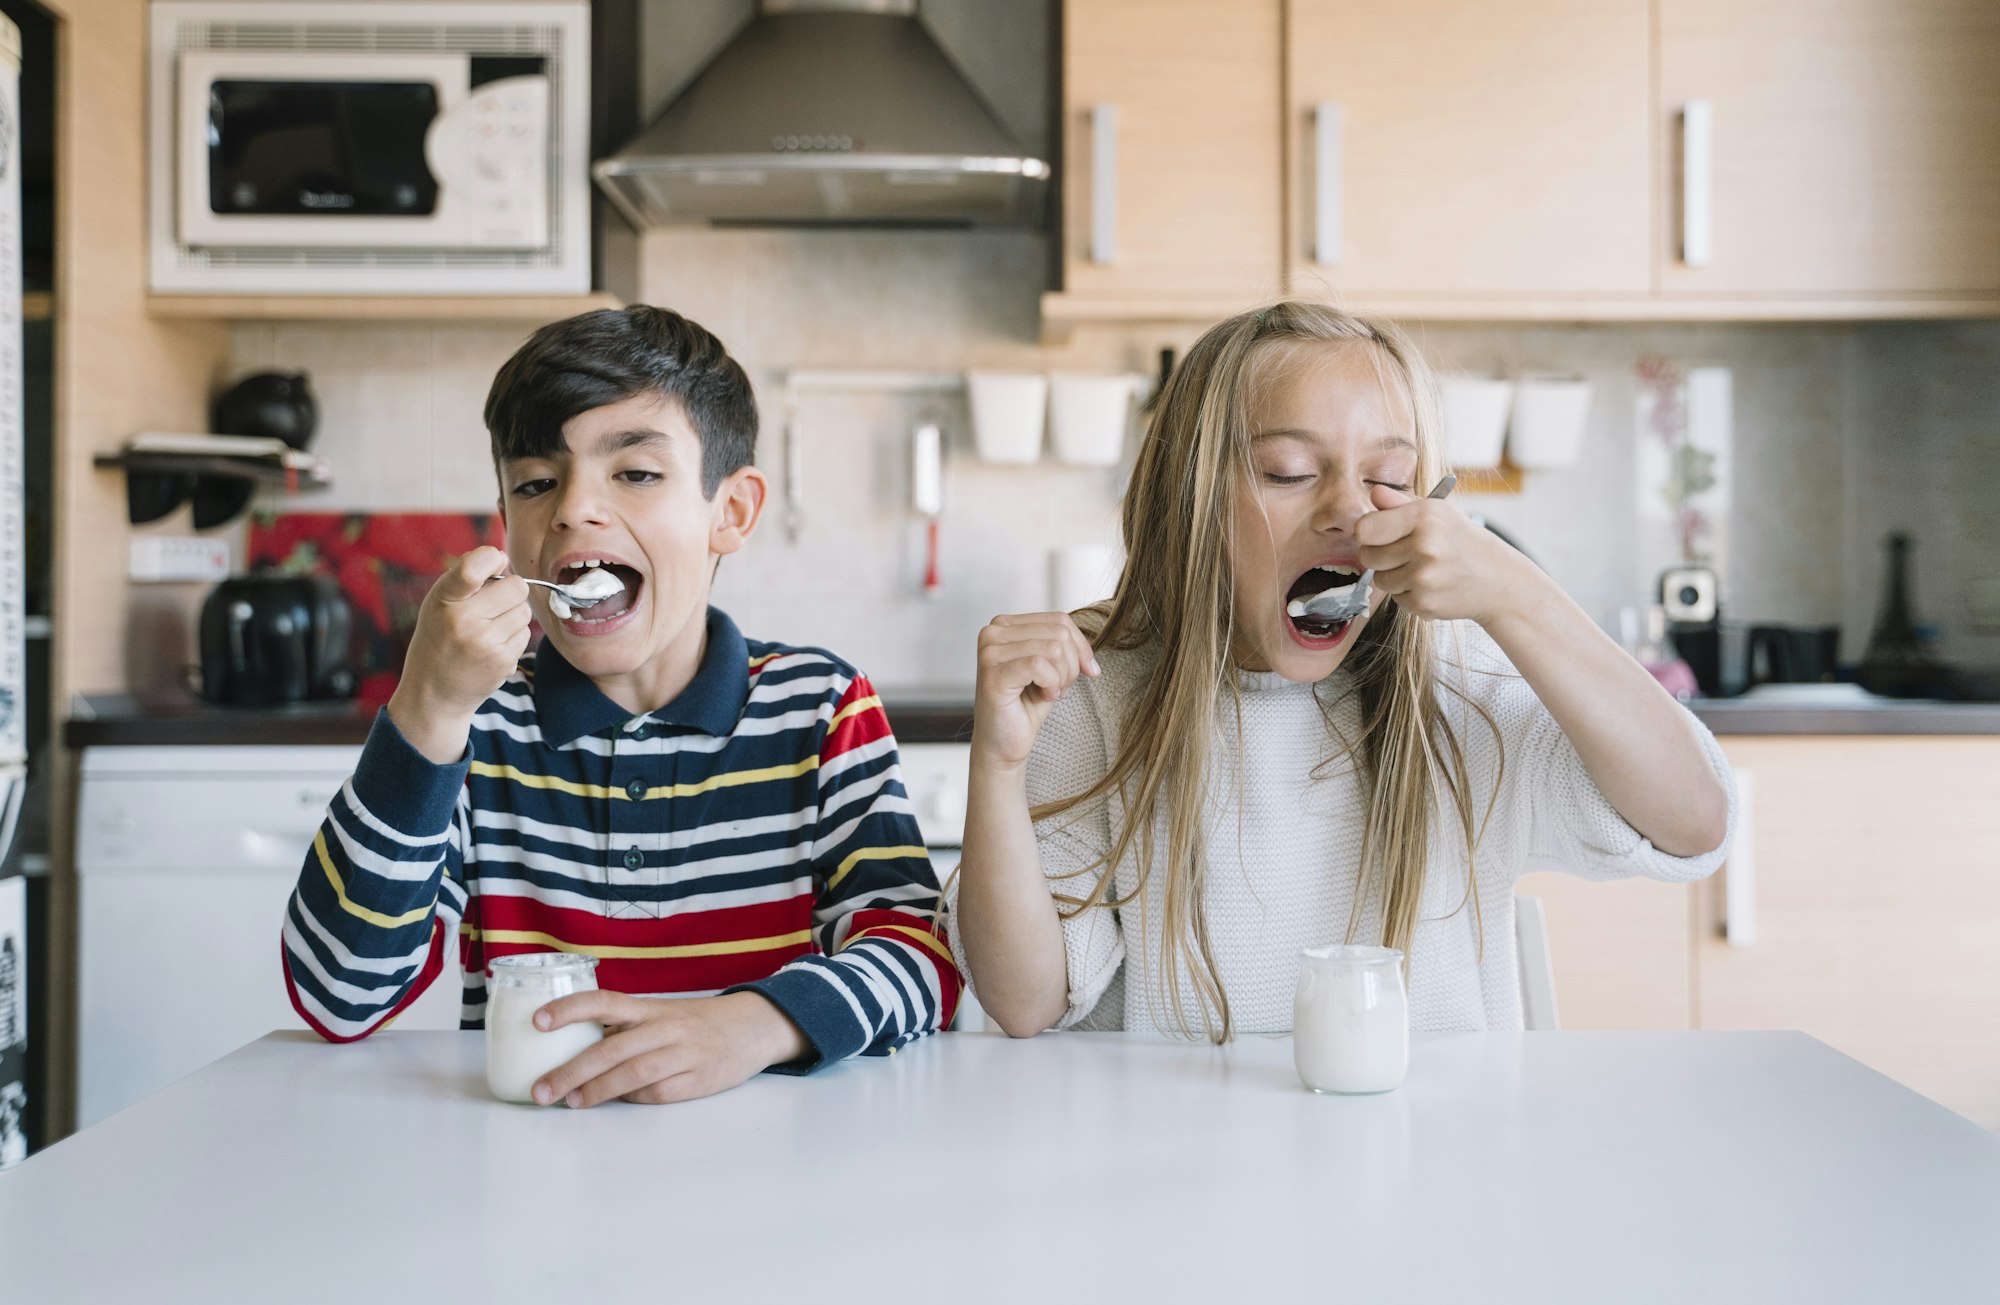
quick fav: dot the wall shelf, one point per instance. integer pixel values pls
(428, 308)
(265, 471)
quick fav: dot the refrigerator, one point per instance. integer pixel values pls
(13, 621)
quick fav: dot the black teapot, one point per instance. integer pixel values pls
(269, 405)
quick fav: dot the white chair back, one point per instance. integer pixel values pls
(1538, 976)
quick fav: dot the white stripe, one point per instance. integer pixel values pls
(354, 855)
(832, 803)
(786, 822)
(576, 900)
(368, 818)
(868, 972)
(327, 1020)
(379, 998)
(853, 757)
(908, 1007)
(818, 970)
(827, 848)
(689, 872)
(347, 960)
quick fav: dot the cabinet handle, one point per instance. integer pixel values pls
(1104, 184)
(1326, 182)
(1739, 882)
(1697, 183)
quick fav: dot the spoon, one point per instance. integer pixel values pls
(586, 591)
(1346, 604)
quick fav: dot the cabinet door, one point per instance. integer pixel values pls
(1480, 149)
(1619, 950)
(1855, 145)
(1876, 908)
(1190, 183)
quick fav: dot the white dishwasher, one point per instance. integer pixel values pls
(185, 858)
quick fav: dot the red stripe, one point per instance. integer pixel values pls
(862, 728)
(947, 974)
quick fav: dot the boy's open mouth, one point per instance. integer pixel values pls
(1326, 577)
(607, 609)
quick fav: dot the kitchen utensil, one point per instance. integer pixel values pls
(1346, 604)
(927, 494)
(574, 594)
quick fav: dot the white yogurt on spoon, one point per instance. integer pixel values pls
(595, 585)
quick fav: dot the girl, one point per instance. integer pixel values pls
(1170, 800)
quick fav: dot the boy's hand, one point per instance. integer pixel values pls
(1435, 562)
(470, 634)
(661, 1049)
(1026, 663)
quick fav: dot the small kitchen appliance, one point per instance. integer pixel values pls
(273, 640)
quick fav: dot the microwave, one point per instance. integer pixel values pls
(370, 146)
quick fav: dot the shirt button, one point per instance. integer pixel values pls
(633, 860)
(640, 731)
(636, 789)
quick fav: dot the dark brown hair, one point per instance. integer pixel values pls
(584, 362)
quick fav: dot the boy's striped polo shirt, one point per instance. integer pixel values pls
(753, 833)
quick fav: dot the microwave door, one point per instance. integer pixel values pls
(314, 150)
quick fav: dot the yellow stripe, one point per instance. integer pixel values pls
(730, 779)
(871, 854)
(856, 707)
(733, 947)
(928, 940)
(759, 662)
(349, 905)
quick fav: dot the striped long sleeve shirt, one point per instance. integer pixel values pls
(752, 834)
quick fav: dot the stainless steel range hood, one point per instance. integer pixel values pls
(824, 112)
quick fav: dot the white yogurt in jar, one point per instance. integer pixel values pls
(518, 1053)
(1351, 1019)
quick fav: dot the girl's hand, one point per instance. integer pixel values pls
(1026, 664)
(1435, 562)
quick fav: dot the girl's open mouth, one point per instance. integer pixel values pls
(1310, 631)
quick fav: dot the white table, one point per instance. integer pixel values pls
(1548, 1167)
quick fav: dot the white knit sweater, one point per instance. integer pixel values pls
(1283, 845)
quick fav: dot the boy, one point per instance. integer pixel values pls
(711, 818)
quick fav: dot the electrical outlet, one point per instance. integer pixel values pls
(176, 558)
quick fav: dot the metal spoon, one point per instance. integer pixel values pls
(570, 595)
(1346, 604)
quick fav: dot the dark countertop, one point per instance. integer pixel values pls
(943, 714)
(97, 720)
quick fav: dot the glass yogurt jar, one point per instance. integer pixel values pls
(518, 1053)
(1351, 1019)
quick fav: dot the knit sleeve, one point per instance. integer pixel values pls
(1569, 825)
(1070, 755)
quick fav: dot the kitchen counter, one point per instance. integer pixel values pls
(1551, 1167)
(918, 715)
(943, 714)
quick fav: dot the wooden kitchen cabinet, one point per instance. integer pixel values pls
(1876, 901)
(1620, 950)
(1856, 146)
(1477, 149)
(1182, 212)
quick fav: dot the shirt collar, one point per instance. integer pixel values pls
(570, 705)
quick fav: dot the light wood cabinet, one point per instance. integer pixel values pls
(1438, 148)
(1855, 146)
(1621, 951)
(1876, 901)
(1175, 197)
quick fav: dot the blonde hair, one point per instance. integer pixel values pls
(1175, 597)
